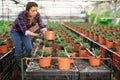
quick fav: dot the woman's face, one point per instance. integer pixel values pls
(33, 11)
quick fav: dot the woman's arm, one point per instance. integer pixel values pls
(41, 24)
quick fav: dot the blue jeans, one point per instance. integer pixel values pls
(19, 40)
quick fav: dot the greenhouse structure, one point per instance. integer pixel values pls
(59, 39)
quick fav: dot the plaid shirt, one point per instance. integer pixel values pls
(22, 23)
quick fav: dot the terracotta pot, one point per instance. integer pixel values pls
(87, 34)
(83, 31)
(72, 57)
(67, 39)
(76, 47)
(116, 40)
(83, 53)
(3, 49)
(95, 38)
(4, 36)
(45, 62)
(79, 30)
(114, 30)
(63, 63)
(72, 42)
(93, 61)
(50, 35)
(101, 40)
(9, 43)
(90, 35)
(109, 44)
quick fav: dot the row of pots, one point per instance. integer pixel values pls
(102, 41)
(82, 53)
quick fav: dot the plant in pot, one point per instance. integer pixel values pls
(109, 42)
(57, 42)
(63, 61)
(3, 46)
(103, 31)
(94, 60)
(102, 38)
(69, 35)
(91, 33)
(46, 43)
(117, 36)
(96, 29)
(77, 43)
(70, 50)
(96, 36)
(62, 38)
(87, 32)
(83, 50)
(72, 39)
(50, 33)
(109, 33)
(62, 45)
(45, 59)
(78, 40)
(9, 42)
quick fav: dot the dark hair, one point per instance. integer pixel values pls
(30, 5)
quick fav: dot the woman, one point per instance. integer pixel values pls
(20, 30)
